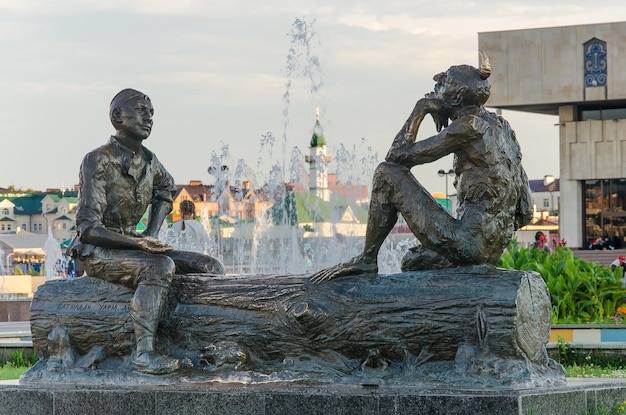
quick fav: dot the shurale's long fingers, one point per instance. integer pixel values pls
(323, 275)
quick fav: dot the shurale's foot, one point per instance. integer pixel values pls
(155, 364)
(354, 266)
(420, 258)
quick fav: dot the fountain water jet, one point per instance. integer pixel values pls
(54, 261)
(3, 259)
(277, 240)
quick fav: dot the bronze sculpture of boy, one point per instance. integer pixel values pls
(118, 182)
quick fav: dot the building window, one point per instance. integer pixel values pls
(595, 63)
(23, 226)
(250, 212)
(605, 210)
(546, 203)
(596, 112)
(5, 212)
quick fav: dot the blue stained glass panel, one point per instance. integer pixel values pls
(595, 63)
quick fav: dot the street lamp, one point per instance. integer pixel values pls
(443, 173)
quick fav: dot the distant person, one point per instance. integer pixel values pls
(188, 234)
(71, 270)
(619, 262)
(596, 244)
(118, 181)
(541, 241)
(602, 243)
(308, 263)
(616, 242)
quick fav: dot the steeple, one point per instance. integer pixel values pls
(318, 139)
(318, 161)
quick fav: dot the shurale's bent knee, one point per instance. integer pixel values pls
(386, 170)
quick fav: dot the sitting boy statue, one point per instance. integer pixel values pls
(118, 182)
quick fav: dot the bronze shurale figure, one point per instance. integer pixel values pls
(118, 182)
(492, 187)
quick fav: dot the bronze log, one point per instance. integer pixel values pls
(400, 327)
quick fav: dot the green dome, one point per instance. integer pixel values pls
(318, 139)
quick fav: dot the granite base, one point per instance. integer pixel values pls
(577, 396)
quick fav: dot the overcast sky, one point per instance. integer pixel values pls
(219, 74)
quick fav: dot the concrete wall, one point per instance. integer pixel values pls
(17, 310)
(20, 284)
(594, 149)
(16, 292)
(545, 66)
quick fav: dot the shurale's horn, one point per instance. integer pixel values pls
(485, 66)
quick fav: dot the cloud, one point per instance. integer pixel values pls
(40, 7)
(221, 67)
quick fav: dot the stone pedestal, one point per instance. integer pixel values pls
(585, 396)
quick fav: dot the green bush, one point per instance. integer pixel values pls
(578, 357)
(581, 291)
(19, 358)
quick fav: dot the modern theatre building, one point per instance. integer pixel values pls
(577, 73)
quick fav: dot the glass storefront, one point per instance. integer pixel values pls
(605, 210)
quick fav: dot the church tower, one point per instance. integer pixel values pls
(318, 162)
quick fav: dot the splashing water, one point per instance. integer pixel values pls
(302, 64)
(274, 243)
(54, 256)
(3, 269)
